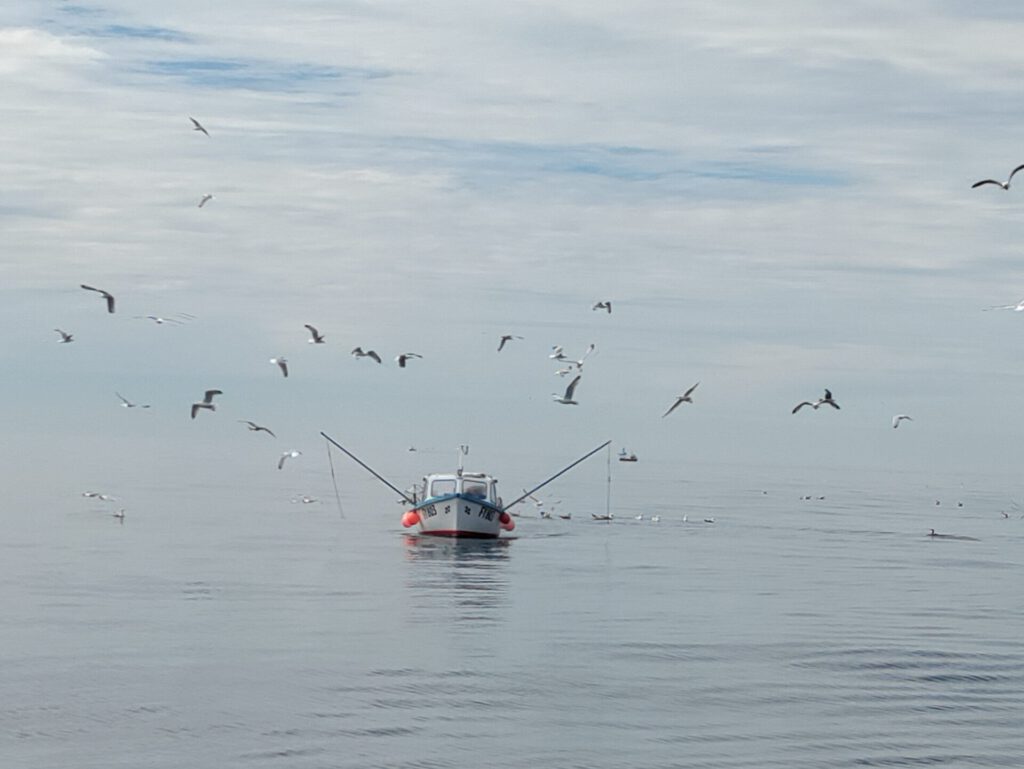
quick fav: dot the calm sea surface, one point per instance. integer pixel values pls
(227, 628)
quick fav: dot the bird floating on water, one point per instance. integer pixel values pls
(106, 295)
(315, 336)
(899, 418)
(281, 363)
(197, 126)
(607, 305)
(567, 398)
(684, 398)
(825, 399)
(506, 338)
(358, 353)
(287, 455)
(65, 337)
(207, 402)
(1005, 185)
(205, 199)
(257, 428)
(402, 359)
(128, 404)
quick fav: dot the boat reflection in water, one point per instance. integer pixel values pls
(464, 580)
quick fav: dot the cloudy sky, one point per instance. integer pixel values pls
(776, 198)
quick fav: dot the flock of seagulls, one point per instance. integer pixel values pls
(568, 397)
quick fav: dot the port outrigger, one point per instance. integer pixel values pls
(459, 504)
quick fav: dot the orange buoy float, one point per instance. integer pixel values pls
(410, 518)
(506, 522)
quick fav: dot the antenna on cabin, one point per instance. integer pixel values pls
(463, 452)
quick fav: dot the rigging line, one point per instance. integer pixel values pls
(334, 480)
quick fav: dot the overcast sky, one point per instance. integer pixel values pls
(775, 197)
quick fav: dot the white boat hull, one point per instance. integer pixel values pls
(459, 516)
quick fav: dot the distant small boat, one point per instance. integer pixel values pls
(624, 457)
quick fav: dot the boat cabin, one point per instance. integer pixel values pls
(477, 485)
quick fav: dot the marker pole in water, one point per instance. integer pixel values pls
(556, 475)
(369, 469)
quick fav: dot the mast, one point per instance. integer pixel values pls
(608, 490)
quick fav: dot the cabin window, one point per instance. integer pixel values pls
(474, 489)
(442, 488)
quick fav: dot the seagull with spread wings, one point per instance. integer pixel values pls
(570, 391)
(65, 337)
(207, 402)
(197, 126)
(128, 404)
(315, 336)
(402, 359)
(506, 338)
(372, 354)
(684, 398)
(253, 427)
(824, 400)
(106, 295)
(287, 455)
(281, 363)
(1005, 185)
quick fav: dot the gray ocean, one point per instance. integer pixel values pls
(235, 628)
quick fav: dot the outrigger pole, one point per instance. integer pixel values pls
(539, 486)
(377, 475)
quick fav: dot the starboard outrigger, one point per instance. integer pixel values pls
(459, 504)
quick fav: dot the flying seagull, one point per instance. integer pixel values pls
(205, 199)
(826, 399)
(899, 418)
(402, 359)
(506, 338)
(282, 363)
(315, 336)
(358, 353)
(207, 402)
(579, 363)
(158, 320)
(197, 126)
(607, 305)
(65, 337)
(1005, 185)
(557, 353)
(257, 428)
(1019, 307)
(97, 495)
(108, 296)
(287, 455)
(128, 404)
(684, 398)
(566, 399)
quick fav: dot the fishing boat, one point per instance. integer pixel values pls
(624, 457)
(459, 504)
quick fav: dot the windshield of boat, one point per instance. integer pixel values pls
(442, 487)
